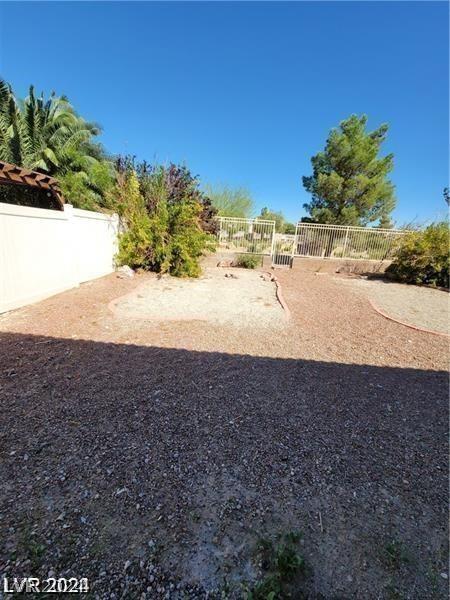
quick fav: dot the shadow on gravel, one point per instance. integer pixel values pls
(155, 472)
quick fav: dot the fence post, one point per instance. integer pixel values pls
(296, 236)
(345, 242)
(272, 248)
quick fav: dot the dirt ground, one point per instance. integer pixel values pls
(152, 458)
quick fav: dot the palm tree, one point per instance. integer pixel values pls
(48, 135)
(11, 127)
(39, 133)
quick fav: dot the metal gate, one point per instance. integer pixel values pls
(283, 250)
(254, 236)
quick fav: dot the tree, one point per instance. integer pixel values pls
(349, 184)
(281, 225)
(289, 228)
(48, 135)
(385, 222)
(231, 202)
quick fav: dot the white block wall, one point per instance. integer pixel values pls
(44, 252)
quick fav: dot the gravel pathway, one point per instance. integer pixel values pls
(152, 458)
(415, 305)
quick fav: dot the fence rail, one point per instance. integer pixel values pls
(312, 240)
(341, 241)
(246, 235)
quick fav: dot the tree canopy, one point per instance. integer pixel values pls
(231, 202)
(281, 225)
(48, 135)
(349, 184)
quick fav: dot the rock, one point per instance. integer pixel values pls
(125, 272)
(444, 575)
(225, 263)
(345, 269)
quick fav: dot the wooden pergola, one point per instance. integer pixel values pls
(14, 175)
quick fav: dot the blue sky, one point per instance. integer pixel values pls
(246, 93)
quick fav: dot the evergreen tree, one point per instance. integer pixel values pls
(349, 184)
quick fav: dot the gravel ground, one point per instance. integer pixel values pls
(152, 458)
(415, 305)
(239, 297)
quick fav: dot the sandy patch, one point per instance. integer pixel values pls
(414, 305)
(237, 297)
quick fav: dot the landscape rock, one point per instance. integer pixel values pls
(225, 263)
(125, 272)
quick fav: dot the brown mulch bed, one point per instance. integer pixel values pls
(152, 458)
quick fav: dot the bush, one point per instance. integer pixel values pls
(135, 240)
(247, 261)
(423, 257)
(167, 223)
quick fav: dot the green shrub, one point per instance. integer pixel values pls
(423, 257)
(247, 261)
(135, 240)
(164, 220)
